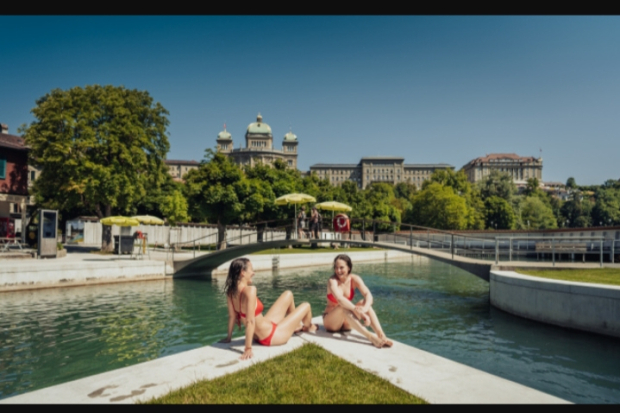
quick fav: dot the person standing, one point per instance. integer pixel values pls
(301, 221)
(314, 223)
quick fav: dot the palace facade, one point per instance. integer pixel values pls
(521, 168)
(259, 146)
(371, 169)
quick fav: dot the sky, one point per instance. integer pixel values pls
(430, 89)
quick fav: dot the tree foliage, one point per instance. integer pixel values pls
(539, 215)
(101, 149)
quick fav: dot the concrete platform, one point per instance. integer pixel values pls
(433, 378)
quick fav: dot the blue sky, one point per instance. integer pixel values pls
(431, 89)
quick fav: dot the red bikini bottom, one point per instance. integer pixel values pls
(267, 341)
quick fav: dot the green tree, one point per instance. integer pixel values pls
(606, 210)
(217, 192)
(497, 184)
(463, 188)
(571, 183)
(539, 215)
(174, 207)
(101, 149)
(498, 213)
(532, 187)
(577, 211)
(437, 206)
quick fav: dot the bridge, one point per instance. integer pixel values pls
(476, 254)
(205, 263)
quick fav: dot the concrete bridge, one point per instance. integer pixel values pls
(204, 264)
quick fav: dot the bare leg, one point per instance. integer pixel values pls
(289, 325)
(284, 305)
(335, 319)
(357, 326)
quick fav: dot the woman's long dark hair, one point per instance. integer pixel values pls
(234, 272)
(346, 259)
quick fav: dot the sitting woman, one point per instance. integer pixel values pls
(341, 314)
(274, 328)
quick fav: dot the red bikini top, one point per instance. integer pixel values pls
(259, 309)
(331, 297)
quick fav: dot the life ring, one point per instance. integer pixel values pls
(341, 223)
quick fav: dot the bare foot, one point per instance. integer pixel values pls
(376, 341)
(387, 343)
(311, 329)
(300, 328)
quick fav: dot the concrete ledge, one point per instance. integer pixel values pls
(431, 377)
(582, 306)
(52, 273)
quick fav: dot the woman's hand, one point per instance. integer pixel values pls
(361, 315)
(247, 354)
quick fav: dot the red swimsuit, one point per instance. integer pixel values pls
(259, 309)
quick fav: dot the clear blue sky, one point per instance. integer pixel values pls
(431, 89)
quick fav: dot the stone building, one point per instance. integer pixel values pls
(521, 168)
(371, 169)
(259, 146)
(177, 169)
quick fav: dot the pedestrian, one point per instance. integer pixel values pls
(314, 223)
(301, 221)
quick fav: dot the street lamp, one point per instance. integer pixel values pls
(567, 222)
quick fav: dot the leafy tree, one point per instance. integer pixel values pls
(217, 192)
(498, 184)
(461, 186)
(437, 206)
(174, 207)
(101, 149)
(539, 215)
(498, 213)
(571, 183)
(577, 211)
(532, 187)
(606, 209)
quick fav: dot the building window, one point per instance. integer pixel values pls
(32, 175)
(2, 168)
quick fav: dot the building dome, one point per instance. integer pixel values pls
(259, 127)
(224, 135)
(290, 136)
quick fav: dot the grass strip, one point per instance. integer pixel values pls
(307, 375)
(610, 276)
(306, 249)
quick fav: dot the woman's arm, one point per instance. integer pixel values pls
(337, 293)
(232, 317)
(250, 321)
(364, 291)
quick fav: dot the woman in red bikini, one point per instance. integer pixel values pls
(274, 328)
(341, 314)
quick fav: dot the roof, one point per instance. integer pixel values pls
(495, 156)
(224, 135)
(334, 165)
(428, 165)
(290, 137)
(259, 127)
(382, 158)
(178, 162)
(13, 142)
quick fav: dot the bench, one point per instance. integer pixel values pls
(561, 247)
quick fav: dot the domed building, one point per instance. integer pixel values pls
(259, 146)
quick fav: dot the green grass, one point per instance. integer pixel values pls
(305, 249)
(307, 375)
(609, 276)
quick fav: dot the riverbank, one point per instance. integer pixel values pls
(81, 268)
(433, 378)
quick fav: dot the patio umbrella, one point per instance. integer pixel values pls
(333, 206)
(294, 199)
(149, 220)
(121, 222)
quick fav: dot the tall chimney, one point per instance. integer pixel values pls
(5, 128)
